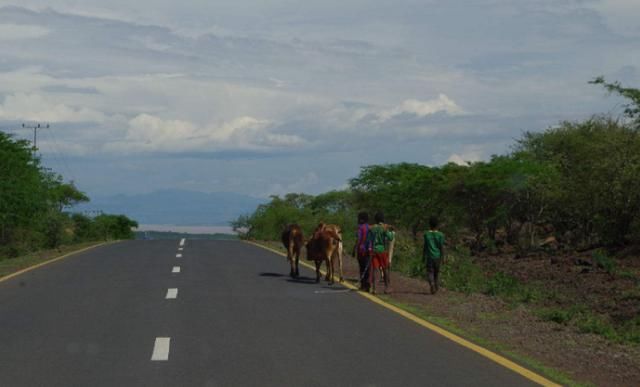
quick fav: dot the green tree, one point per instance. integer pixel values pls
(632, 108)
(110, 227)
(66, 195)
(598, 188)
(22, 187)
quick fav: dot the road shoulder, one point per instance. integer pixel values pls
(13, 267)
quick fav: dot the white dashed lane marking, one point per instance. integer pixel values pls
(182, 242)
(178, 255)
(176, 269)
(161, 349)
(172, 293)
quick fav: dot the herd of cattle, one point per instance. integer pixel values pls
(325, 245)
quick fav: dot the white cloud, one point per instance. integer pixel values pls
(19, 32)
(422, 108)
(150, 133)
(34, 107)
(469, 154)
(457, 159)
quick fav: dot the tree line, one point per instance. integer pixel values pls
(573, 186)
(33, 204)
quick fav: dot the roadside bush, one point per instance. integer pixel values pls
(501, 284)
(33, 201)
(461, 274)
(591, 323)
(630, 331)
(560, 315)
(109, 227)
(407, 257)
(56, 229)
(604, 261)
(82, 228)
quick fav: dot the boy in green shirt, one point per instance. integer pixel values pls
(433, 253)
(380, 235)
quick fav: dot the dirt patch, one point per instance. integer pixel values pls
(519, 331)
(579, 279)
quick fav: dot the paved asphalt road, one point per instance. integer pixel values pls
(93, 319)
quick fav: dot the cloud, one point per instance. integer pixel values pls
(34, 107)
(457, 159)
(20, 32)
(149, 133)
(354, 113)
(418, 108)
(469, 154)
(70, 90)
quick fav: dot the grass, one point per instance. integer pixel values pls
(604, 261)
(560, 315)
(628, 274)
(11, 265)
(585, 321)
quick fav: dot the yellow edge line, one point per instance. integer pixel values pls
(455, 338)
(25, 270)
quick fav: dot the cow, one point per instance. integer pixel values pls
(326, 246)
(293, 239)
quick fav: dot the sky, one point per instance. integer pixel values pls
(274, 96)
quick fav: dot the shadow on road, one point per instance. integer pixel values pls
(300, 280)
(265, 274)
(303, 280)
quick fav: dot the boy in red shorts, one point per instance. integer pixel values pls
(380, 235)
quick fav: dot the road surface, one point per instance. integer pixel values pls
(213, 313)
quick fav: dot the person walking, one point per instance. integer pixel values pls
(363, 250)
(381, 235)
(433, 253)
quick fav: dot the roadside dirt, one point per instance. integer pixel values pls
(577, 279)
(585, 358)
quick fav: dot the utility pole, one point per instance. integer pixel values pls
(35, 128)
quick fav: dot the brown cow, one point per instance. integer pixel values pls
(325, 246)
(292, 239)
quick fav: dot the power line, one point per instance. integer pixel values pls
(35, 128)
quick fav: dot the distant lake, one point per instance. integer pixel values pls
(186, 229)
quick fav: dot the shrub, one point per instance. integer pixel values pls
(590, 323)
(603, 260)
(461, 274)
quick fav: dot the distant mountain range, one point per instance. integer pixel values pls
(175, 207)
